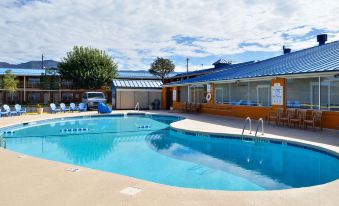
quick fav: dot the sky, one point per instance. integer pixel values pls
(135, 32)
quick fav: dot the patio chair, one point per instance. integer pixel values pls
(316, 119)
(3, 113)
(285, 116)
(195, 108)
(54, 108)
(8, 110)
(297, 118)
(64, 108)
(82, 107)
(19, 110)
(275, 115)
(183, 107)
(72, 107)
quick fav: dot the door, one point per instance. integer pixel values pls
(47, 97)
(263, 95)
(169, 99)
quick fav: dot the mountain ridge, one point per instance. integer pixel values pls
(30, 65)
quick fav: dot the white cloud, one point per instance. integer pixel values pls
(134, 32)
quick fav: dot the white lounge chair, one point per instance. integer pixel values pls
(72, 107)
(19, 110)
(82, 107)
(3, 113)
(54, 108)
(64, 108)
(8, 110)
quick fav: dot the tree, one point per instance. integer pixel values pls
(161, 67)
(88, 68)
(10, 82)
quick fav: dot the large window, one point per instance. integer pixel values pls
(313, 93)
(257, 93)
(302, 93)
(260, 93)
(33, 97)
(183, 94)
(329, 94)
(197, 93)
(222, 93)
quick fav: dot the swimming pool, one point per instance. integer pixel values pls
(146, 148)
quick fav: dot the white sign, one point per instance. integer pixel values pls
(277, 94)
(174, 95)
(208, 88)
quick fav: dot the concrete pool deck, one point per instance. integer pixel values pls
(26, 180)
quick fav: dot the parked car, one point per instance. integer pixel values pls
(92, 99)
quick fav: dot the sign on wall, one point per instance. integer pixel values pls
(174, 95)
(277, 94)
(208, 88)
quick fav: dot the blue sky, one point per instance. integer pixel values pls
(134, 32)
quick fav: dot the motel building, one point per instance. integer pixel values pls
(306, 79)
(126, 90)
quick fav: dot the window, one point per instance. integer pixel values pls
(33, 82)
(183, 94)
(260, 93)
(257, 93)
(67, 96)
(239, 93)
(33, 97)
(302, 93)
(222, 93)
(329, 94)
(197, 93)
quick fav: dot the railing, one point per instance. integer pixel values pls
(262, 127)
(137, 107)
(248, 119)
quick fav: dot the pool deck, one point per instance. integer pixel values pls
(26, 180)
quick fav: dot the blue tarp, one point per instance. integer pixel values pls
(103, 108)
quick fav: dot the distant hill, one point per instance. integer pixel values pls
(30, 64)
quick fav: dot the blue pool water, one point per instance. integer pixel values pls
(145, 147)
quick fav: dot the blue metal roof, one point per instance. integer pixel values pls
(138, 84)
(210, 70)
(123, 74)
(23, 72)
(317, 59)
(139, 74)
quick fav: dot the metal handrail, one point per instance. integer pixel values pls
(248, 119)
(262, 127)
(137, 107)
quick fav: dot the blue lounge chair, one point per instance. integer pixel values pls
(64, 108)
(297, 104)
(72, 107)
(19, 110)
(8, 110)
(82, 107)
(54, 109)
(289, 104)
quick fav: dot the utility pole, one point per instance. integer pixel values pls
(42, 61)
(187, 65)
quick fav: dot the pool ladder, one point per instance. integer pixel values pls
(248, 119)
(137, 107)
(262, 127)
(260, 121)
